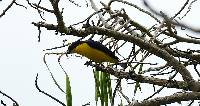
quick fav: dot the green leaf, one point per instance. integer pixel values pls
(97, 85)
(109, 88)
(68, 92)
(140, 69)
(105, 88)
(121, 103)
(137, 85)
(102, 88)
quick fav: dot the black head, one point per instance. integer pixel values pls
(74, 45)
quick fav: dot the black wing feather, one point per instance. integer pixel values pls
(99, 46)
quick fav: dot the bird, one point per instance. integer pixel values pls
(93, 50)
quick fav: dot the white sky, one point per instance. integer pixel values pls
(21, 55)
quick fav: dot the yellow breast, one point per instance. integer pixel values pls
(93, 54)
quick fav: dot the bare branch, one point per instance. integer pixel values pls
(73, 2)
(20, 5)
(44, 60)
(58, 14)
(189, 8)
(7, 8)
(146, 43)
(99, 14)
(144, 79)
(3, 103)
(177, 97)
(43, 8)
(152, 48)
(125, 97)
(179, 38)
(36, 85)
(35, 6)
(115, 90)
(14, 101)
(182, 8)
(135, 6)
(159, 90)
(163, 15)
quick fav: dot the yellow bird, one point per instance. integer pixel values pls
(94, 51)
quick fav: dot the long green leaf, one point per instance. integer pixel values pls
(109, 88)
(97, 85)
(68, 92)
(105, 89)
(137, 86)
(102, 88)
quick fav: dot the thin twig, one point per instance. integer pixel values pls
(99, 14)
(44, 59)
(135, 6)
(20, 5)
(36, 85)
(114, 93)
(159, 90)
(182, 8)
(3, 103)
(73, 2)
(56, 47)
(190, 104)
(14, 101)
(125, 97)
(196, 70)
(7, 8)
(88, 18)
(163, 15)
(189, 9)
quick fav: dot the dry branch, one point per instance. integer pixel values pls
(124, 28)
